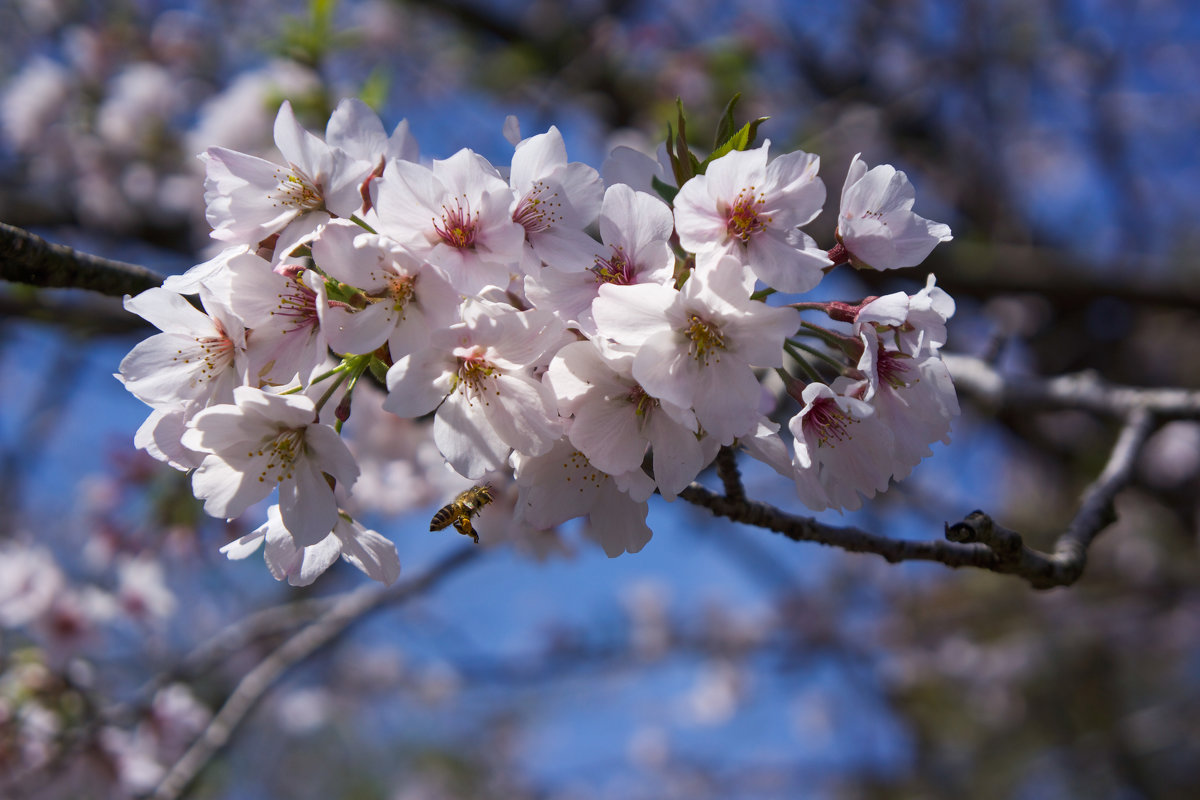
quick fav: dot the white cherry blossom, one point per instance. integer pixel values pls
(457, 215)
(477, 375)
(286, 308)
(698, 347)
(367, 550)
(751, 210)
(842, 450)
(562, 484)
(264, 441)
(614, 421)
(197, 359)
(876, 223)
(555, 200)
(635, 229)
(403, 299)
(249, 199)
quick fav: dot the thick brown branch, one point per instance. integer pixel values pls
(976, 541)
(1096, 512)
(731, 477)
(26, 258)
(856, 540)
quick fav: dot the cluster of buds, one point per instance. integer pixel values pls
(594, 341)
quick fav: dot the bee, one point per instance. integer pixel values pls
(459, 511)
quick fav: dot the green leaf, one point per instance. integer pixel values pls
(742, 140)
(374, 90)
(726, 126)
(665, 190)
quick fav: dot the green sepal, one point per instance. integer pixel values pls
(379, 370)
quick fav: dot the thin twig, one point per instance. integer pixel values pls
(328, 627)
(26, 258)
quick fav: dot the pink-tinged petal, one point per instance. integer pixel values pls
(638, 222)
(371, 552)
(568, 249)
(618, 523)
(891, 309)
(557, 486)
(299, 565)
(784, 267)
(306, 504)
(735, 171)
(701, 225)
(467, 440)
(584, 191)
(225, 490)
(766, 445)
(359, 331)
(858, 168)
(576, 371)
(355, 128)
(796, 195)
(341, 187)
(329, 449)
(239, 194)
(246, 545)
(633, 314)
(301, 230)
(169, 312)
(221, 428)
(666, 371)
(522, 413)
(161, 434)
(678, 457)
(607, 432)
(299, 148)
(726, 401)
(536, 157)
(417, 383)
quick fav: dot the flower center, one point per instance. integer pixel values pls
(617, 268)
(893, 368)
(282, 452)
(538, 210)
(580, 471)
(458, 225)
(475, 374)
(642, 402)
(297, 306)
(743, 219)
(705, 338)
(401, 289)
(827, 423)
(215, 353)
(296, 190)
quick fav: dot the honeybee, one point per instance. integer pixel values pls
(459, 512)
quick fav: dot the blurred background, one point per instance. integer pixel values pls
(1057, 139)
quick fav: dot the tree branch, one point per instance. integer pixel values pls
(1081, 390)
(324, 630)
(1095, 513)
(26, 258)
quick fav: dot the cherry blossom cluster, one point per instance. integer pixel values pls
(588, 341)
